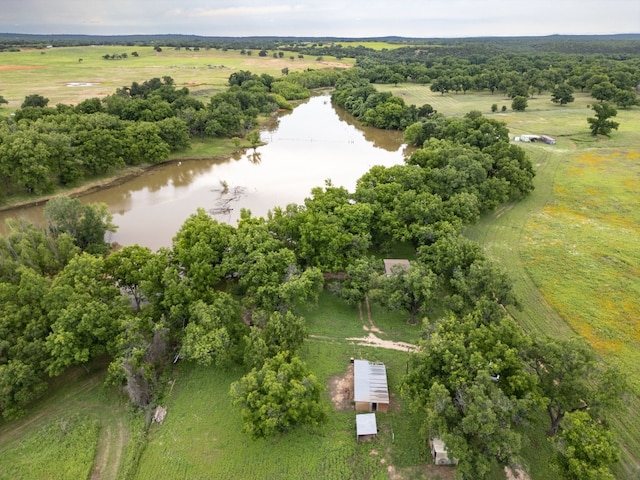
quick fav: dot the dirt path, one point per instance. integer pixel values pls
(111, 444)
(372, 340)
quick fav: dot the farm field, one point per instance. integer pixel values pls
(571, 246)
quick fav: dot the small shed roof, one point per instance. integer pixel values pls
(438, 446)
(366, 424)
(390, 263)
(370, 382)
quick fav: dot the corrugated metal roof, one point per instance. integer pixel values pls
(366, 424)
(370, 382)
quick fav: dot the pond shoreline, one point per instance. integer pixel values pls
(112, 181)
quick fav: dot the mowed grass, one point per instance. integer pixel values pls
(50, 72)
(571, 247)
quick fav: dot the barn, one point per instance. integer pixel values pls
(370, 388)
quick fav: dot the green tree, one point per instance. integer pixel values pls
(26, 160)
(139, 356)
(625, 98)
(34, 100)
(519, 103)
(127, 268)
(144, 143)
(278, 397)
(603, 91)
(84, 309)
(199, 248)
(3, 100)
(410, 289)
(280, 333)
(481, 281)
(469, 382)
(562, 94)
(20, 384)
(208, 337)
(358, 280)
(572, 378)
(585, 449)
(601, 123)
(87, 224)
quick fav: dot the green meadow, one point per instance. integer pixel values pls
(71, 74)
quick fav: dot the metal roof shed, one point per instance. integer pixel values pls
(366, 426)
(370, 389)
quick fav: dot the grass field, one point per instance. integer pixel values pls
(81, 428)
(202, 438)
(71, 74)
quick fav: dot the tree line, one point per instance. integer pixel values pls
(42, 147)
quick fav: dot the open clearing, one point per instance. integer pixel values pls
(204, 71)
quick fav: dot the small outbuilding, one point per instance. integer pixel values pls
(440, 454)
(366, 427)
(370, 388)
(392, 265)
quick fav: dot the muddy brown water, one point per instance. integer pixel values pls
(303, 148)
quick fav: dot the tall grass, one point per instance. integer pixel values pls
(62, 449)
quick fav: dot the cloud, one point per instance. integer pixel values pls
(353, 18)
(234, 11)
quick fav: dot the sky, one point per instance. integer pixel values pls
(322, 18)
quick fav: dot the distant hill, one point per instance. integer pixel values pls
(604, 44)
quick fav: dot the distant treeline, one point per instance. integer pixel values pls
(578, 44)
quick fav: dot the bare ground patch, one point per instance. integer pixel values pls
(111, 445)
(341, 387)
(372, 340)
(516, 474)
(428, 472)
(19, 67)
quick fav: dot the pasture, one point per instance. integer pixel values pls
(69, 75)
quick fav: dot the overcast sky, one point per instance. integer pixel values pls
(320, 18)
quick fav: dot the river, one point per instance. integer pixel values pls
(302, 149)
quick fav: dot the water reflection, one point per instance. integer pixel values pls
(303, 148)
